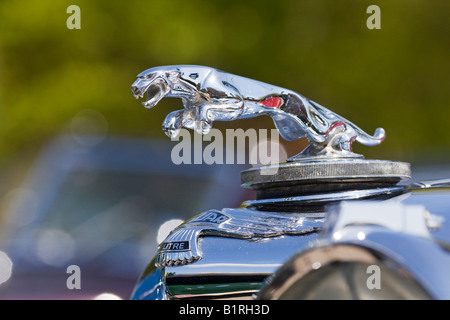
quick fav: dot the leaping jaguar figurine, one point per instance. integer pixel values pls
(210, 95)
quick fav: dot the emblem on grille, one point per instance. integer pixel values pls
(182, 245)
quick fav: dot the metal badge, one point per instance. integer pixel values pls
(182, 245)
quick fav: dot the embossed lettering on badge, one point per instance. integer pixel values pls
(175, 246)
(212, 216)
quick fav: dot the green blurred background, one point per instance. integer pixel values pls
(396, 77)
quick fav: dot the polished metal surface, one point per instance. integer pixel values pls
(426, 184)
(437, 202)
(321, 199)
(391, 234)
(182, 246)
(409, 233)
(230, 268)
(210, 95)
(392, 215)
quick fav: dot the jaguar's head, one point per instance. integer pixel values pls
(156, 82)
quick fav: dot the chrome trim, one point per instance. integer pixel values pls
(428, 184)
(182, 246)
(329, 197)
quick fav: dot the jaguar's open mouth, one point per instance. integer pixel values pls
(139, 87)
(156, 90)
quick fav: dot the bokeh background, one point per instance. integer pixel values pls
(57, 81)
(396, 77)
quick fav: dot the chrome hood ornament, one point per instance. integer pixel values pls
(210, 95)
(328, 164)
